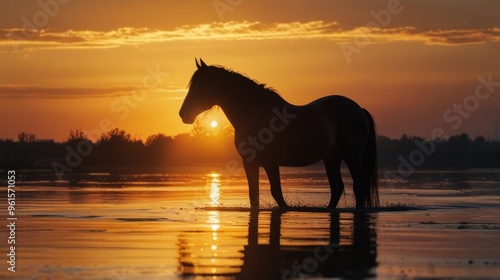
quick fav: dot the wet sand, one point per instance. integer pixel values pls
(197, 225)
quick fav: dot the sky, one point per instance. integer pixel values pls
(417, 66)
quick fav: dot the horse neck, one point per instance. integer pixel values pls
(244, 103)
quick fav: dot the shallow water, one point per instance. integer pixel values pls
(195, 224)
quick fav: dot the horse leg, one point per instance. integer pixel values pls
(252, 172)
(273, 173)
(356, 170)
(332, 166)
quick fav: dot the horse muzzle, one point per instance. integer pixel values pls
(186, 118)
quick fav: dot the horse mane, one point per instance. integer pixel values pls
(245, 78)
(243, 81)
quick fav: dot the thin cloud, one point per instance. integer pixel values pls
(462, 36)
(137, 36)
(29, 91)
(452, 37)
(29, 40)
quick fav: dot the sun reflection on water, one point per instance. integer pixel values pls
(213, 250)
(214, 189)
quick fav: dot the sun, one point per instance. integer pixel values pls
(214, 124)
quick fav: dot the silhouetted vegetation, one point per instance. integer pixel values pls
(116, 149)
(458, 151)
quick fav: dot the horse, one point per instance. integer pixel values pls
(270, 132)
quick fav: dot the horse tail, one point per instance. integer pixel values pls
(370, 170)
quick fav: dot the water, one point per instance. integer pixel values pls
(195, 224)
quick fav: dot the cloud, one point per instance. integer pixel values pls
(451, 37)
(462, 36)
(31, 40)
(29, 91)
(138, 36)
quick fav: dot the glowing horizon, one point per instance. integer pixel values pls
(63, 71)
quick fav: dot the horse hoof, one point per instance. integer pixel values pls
(254, 207)
(331, 206)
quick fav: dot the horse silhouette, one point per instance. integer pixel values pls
(270, 132)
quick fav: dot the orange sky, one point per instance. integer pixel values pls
(86, 61)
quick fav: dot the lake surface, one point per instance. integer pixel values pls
(195, 223)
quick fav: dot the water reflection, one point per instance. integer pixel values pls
(214, 189)
(282, 245)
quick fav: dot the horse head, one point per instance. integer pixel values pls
(201, 94)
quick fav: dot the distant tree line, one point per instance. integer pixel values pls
(458, 151)
(116, 150)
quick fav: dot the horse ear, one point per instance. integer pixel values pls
(203, 63)
(197, 64)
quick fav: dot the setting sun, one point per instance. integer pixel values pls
(214, 124)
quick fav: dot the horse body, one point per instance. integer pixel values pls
(270, 132)
(279, 136)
